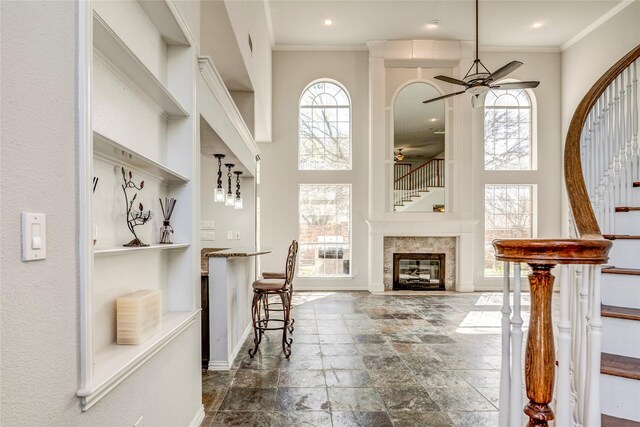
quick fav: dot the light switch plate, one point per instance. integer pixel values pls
(34, 236)
(207, 235)
(229, 235)
(207, 224)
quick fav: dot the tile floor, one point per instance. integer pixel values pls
(369, 360)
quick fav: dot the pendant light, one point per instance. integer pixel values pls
(229, 200)
(238, 202)
(218, 194)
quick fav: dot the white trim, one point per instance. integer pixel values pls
(269, 19)
(515, 49)
(320, 47)
(85, 167)
(225, 365)
(221, 93)
(595, 24)
(198, 418)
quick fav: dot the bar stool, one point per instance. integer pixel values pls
(277, 305)
(262, 289)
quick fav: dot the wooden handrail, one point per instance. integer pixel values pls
(583, 215)
(420, 167)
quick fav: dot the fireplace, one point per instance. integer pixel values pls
(418, 271)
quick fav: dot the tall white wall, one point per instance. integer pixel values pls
(40, 300)
(248, 18)
(280, 177)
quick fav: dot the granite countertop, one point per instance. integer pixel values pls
(226, 253)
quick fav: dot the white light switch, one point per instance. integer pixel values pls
(229, 235)
(34, 236)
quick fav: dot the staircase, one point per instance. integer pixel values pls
(423, 186)
(596, 381)
(620, 366)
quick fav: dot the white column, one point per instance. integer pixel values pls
(515, 408)
(592, 389)
(505, 378)
(563, 385)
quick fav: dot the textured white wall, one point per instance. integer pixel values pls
(280, 177)
(39, 311)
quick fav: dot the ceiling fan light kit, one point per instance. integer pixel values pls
(479, 80)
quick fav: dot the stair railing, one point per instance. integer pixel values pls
(429, 174)
(601, 163)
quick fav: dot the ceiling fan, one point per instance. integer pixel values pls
(479, 80)
(398, 157)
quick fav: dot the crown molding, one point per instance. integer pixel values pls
(269, 20)
(597, 23)
(325, 47)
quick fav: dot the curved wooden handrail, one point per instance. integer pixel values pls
(583, 215)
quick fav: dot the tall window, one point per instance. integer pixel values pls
(507, 130)
(508, 214)
(324, 230)
(324, 140)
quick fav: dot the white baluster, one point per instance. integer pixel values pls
(515, 409)
(592, 383)
(636, 120)
(563, 386)
(575, 342)
(583, 319)
(505, 379)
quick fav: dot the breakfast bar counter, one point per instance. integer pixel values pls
(229, 274)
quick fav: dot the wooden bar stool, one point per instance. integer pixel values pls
(282, 287)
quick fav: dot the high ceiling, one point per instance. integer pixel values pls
(513, 23)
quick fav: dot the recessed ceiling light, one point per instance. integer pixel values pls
(537, 24)
(433, 24)
(433, 120)
(328, 22)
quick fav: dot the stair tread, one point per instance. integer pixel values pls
(620, 236)
(620, 366)
(627, 271)
(620, 312)
(609, 421)
(627, 208)
(636, 184)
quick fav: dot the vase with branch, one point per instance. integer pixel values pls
(138, 217)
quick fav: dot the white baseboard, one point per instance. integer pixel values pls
(225, 365)
(197, 420)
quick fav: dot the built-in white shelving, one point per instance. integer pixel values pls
(104, 147)
(151, 119)
(116, 52)
(117, 362)
(122, 250)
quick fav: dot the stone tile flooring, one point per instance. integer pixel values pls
(369, 360)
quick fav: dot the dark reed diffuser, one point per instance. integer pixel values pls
(167, 210)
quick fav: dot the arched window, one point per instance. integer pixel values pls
(507, 130)
(324, 139)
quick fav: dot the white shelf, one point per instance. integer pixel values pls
(107, 42)
(121, 250)
(117, 362)
(111, 150)
(161, 14)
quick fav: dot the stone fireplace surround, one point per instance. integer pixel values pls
(456, 230)
(440, 245)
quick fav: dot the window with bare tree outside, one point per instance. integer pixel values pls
(324, 230)
(507, 130)
(324, 140)
(508, 213)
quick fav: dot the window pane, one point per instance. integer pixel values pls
(507, 130)
(324, 230)
(324, 120)
(508, 214)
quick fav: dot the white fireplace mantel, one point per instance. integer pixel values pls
(462, 230)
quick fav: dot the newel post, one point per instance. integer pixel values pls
(540, 354)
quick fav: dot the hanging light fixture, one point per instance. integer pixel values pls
(218, 194)
(237, 204)
(229, 200)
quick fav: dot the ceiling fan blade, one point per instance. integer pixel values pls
(501, 72)
(516, 85)
(451, 80)
(442, 97)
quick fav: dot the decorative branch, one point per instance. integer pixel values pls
(134, 218)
